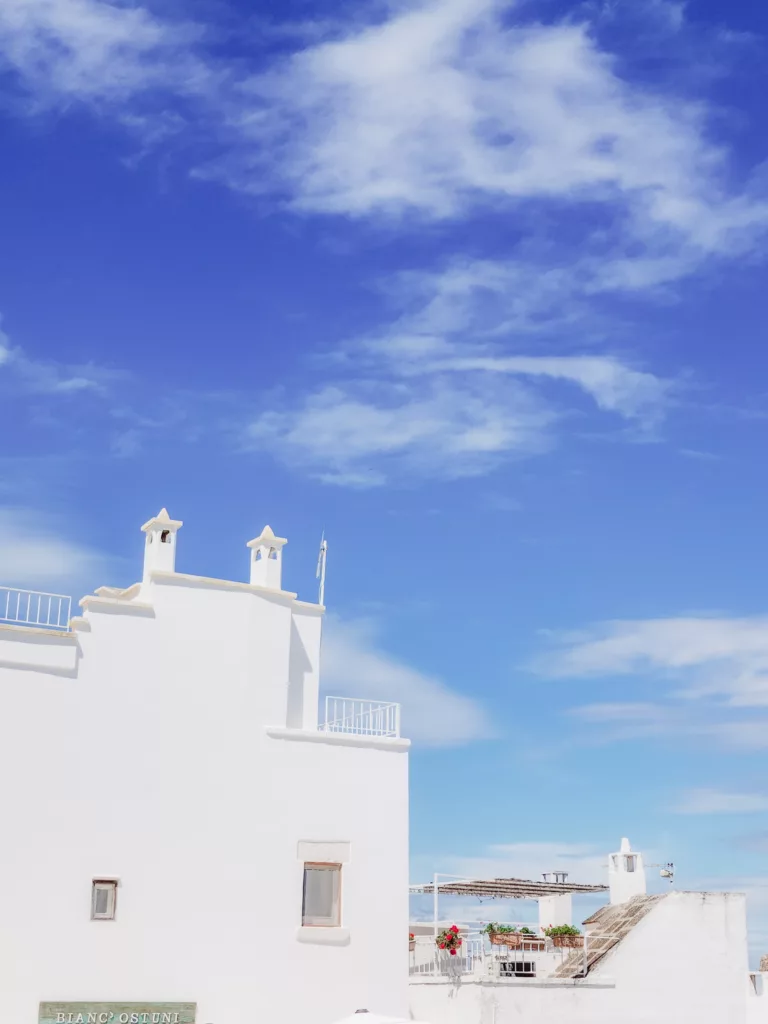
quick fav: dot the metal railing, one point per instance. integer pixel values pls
(361, 717)
(33, 608)
(541, 957)
(443, 967)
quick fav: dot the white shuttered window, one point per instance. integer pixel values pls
(103, 900)
(321, 904)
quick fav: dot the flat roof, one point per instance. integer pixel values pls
(510, 888)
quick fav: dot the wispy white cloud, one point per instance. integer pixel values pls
(718, 801)
(432, 107)
(675, 715)
(703, 670)
(35, 554)
(614, 386)
(65, 50)
(447, 103)
(708, 655)
(434, 410)
(356, 665)
(362, 434)
(41, 376)
(5, 347)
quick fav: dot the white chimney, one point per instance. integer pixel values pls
(160, 544)
(267, 559)
(626, 874)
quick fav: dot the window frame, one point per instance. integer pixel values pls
(321, 866)
(110, 886)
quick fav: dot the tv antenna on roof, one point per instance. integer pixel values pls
(320, 573)
(667, 871)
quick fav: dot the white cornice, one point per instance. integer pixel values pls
(119, 593)
(339, 739)
(309, 607)
(97, 601)
(110, 596)
(30, 632)
(181, 578)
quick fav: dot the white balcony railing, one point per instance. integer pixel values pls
(361, 717)
(32, 608)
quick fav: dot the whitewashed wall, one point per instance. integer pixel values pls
(152, 747)
(757, 998)
(685, 963)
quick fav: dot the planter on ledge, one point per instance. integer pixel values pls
(516, 940)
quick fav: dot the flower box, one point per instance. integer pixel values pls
(516, 940)
(568, 941)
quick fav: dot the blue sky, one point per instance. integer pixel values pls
(478, 288)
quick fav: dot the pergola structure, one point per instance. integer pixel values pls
(553, 884)
(499, 888)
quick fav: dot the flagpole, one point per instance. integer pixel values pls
(320, 574)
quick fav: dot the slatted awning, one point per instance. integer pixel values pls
(509, 888)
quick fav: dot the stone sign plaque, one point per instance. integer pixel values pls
(117, 1013)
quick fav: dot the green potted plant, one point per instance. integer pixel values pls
(565, 936)
(500, 934)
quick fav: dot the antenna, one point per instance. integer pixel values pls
(667, 871)
(320, 573)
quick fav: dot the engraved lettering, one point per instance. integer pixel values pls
(134, 1018)
(124, 1018)
(104, 1017)
(61, 1018)
(92, 1018)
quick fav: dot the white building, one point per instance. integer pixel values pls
(178, 823)
(187, 840)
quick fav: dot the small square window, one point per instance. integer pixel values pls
(321, 904)
(631, 863)
(103, 900)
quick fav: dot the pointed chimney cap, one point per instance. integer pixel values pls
(267, 539)
(163, 521)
